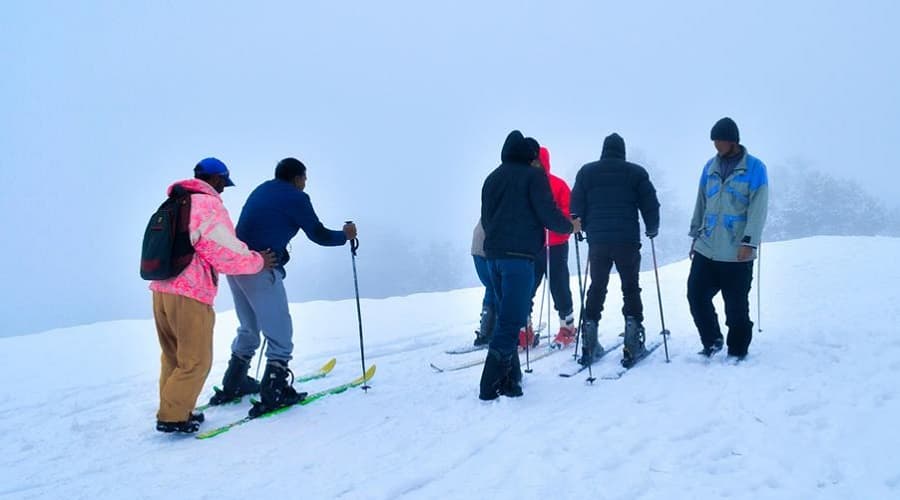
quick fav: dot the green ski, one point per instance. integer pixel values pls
(309, 399)
(321, 372)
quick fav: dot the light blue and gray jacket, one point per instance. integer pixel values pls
(730, 212)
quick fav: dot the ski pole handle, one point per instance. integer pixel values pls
(354, 243)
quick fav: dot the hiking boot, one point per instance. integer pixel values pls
(709, 350)
(235, 383)
(591, 349)
(486, 328)
(634, 339)
(274, 390)
(190, 426)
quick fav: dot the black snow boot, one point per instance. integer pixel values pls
(486, 328)
(236, 383)
(190, 426)
(709, 350)
(494, 375)
(275, 391)
(634, 339)
(591, 349)
(512, 388)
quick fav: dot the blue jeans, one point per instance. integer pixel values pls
(513, 280)
(484, 274)
(260, 302)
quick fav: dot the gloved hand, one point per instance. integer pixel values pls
(652, 233)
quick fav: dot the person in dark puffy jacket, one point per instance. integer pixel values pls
(607, 196)
(516, 206)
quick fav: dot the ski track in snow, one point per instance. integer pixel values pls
(809, 414)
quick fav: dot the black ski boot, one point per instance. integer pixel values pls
(591, 349)
(486, 329)
(634, 340)
(275, 391)
(190, 426)
(235, 383)
(494, 375)
(512, 387)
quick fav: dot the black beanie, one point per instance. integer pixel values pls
(289, 168)
(725, 130)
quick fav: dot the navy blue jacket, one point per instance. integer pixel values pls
(608, 195)
(516, 205)
(273, 214)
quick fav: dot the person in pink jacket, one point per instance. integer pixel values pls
(556, 245)
(182, 306)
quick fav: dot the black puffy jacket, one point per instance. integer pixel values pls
(516, 204)
(608, 194)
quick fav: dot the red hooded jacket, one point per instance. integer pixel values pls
(561, 194)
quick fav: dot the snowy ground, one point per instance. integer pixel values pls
(810, 414)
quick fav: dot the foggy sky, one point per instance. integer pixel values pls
(399, 110)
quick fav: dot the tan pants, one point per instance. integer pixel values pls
(185, 330)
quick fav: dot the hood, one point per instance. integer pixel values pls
(516, 149)
(194, 185)
(613, 148)
(544, 156)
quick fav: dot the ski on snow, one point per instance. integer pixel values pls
(628, 366)
(472, 348)
(580, 368)
(313, 375)
(310, 398)
(535, 354)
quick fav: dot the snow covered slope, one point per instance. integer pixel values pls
(811, 413)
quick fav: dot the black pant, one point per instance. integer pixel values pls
(709, 277)
(627, 258)
(559, 277)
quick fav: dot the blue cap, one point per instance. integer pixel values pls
(213, 166)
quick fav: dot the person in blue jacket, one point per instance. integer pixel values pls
(273, 214)
(729, 215)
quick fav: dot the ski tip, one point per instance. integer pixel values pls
(436, 368)
(370, 372)
(327, 367)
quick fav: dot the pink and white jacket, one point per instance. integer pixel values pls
(217, 248)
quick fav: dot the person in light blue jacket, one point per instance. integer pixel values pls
(729, 215)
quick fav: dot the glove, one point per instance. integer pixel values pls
(652, 233)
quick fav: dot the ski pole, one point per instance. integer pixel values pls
(549, 290)
(662, 318)
(759, 289)
(536, 334)
(581, 290)
(259, 361)
(527, 342)
(354, 246)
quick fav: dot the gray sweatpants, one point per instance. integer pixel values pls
(261, 305)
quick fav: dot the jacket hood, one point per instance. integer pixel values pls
(544, 156)
(194, 185)
(613, 148)
(516, 149)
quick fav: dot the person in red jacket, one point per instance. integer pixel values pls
(558, 245)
